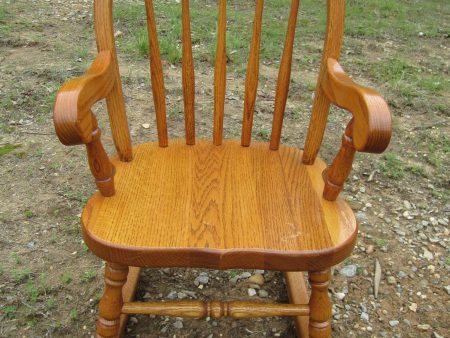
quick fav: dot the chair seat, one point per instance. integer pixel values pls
(219, 207)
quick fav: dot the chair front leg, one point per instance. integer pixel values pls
(319, 304)
(108, 323)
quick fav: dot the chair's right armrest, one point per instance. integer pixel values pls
(72, 116)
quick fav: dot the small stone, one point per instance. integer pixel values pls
(394, 323)
(413, 307)
(178, 324)
(437, 335)
(370, 249)
(339, 295)
(256, 279)
(133, 320)
(447, 288)
(263, 294)
(423, 327)
(203, 278)
(365, 316)
(402, 274)
(244, 275)
(361, 216)
(251, 292)
(146, 125)
(391, 280)
(427, 254)
(172, 295)
(348, 271)
(407, 204)
(431, 268)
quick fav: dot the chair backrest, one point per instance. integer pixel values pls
(116, 109)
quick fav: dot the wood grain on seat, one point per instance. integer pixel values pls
(221, 207)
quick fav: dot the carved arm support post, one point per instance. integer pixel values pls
(76, 124)
(368, 131)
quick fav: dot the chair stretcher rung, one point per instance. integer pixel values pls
(215, 309)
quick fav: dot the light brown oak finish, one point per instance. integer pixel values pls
(128, 294)
(252, 76)
(192, 209)
(298, 294)
(371, 131)
(188, 75)
(221, 204)
(108, 323)
(157, 79)
(104, 32)
(339, 170)
(216, 309)
(220, 73)
(319, 304)
(284, 78)
(321, 105)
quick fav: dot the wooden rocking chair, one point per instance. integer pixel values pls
(219, 204)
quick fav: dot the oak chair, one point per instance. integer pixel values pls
(217, 203)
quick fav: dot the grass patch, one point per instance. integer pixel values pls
(9, 311)
(87, 276)
(392, 166)
(7, 148)
(66, 278)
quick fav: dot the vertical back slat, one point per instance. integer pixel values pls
(103, 19)
(252, 76)
(284, 77)
(159, 96)
(188, 75)
(220, 73)
(321, 105)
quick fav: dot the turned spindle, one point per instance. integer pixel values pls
(100, 165)
(339, 170)
(108, 323)
(319, 304)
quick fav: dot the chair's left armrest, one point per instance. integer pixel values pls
(76, 124)
(72, 114)
(368, 131)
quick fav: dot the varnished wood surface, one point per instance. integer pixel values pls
(298, 294)
(284, 77)
(213, 205)
(252, 76)
(220, 73)
(216, 309)
(104, 31)
(321, 105)
(320, 304)
(339, 170)
(72, 116)
(128, 294)
(188, 75)
(157, 78)
(371, 115)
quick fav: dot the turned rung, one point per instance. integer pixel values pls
(215, 309)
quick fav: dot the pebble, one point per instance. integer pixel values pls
(348, 271)
(361, 216)
(146, 125)
(402, 274)
(365, 316)
(407, 204)
(447, 288)
(427, 254)
(394, 323)
(178, 324)
(257, 279)
(437, 335)
(370, 249)
(203, 278)
(413, 307)
(339, 295)
(263, 294)
(251, 292)
(423, 327)
(391, 280)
